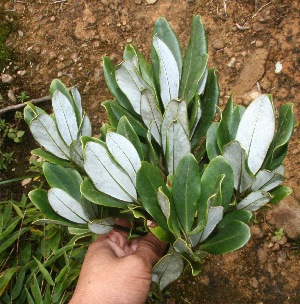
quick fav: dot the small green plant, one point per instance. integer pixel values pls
(5, 159)
(279, 234)
(162, 157)
(11, 130)
(23, 97)
(38, 263)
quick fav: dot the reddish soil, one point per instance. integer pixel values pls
(67, 39)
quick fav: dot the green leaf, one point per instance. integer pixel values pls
(125, 129)
(279, 193)
(57, 85)
(236, 117)
(195, 114)
(137, 125)
(166, 204)
(175, 134)
(44, 272)
(110, 79)
(66, 206)
(113, 119)
(145, 69)
(254, 201)
(65, 117)
(169, 74)
(195, 61)
(5, 277)
(151, 114)
(163, 31)
(40, 199)
(36, 291)
(89, 191)
(19, 284)
(216, 168)
(256, 131)
(267, 180)
(167, 269)
(211, 141)
(76, 153)
(51, 158)
(124, 153)
(148, 180)
(223, 133)
(12, 225)
(209, 102)
(236, 156)
(31, 111)
(237, 215)
(106, 174)
(9, 240)
(278, 147)
(215, 215)
(44, 130)
(186, 190)
(102, 226)
(66, 179)
(232, 237)
(131, 83)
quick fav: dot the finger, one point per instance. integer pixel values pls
(150, 248)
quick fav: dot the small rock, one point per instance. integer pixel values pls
(218, 44)
(52, 18)
(21, 73)
(138, 1)
(254, 282)
(232, 62)
(278, 67)
(262, 255)
(259, 43)
(6, 78)
(286, 216)
(151, 1)
(26, 181)
(20, 33)
(281, 257)
(129, 40)
(11, 95)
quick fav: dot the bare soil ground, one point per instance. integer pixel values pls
(67, 39)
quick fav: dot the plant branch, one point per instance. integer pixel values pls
(22, 105)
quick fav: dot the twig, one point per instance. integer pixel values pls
(261, 8)
(22, 105)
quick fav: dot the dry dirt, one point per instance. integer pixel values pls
(67, 39)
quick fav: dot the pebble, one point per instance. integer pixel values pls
(52, 18)
(26, 181)
(232, 62)
(151, 1)
(21, 73)
(254, 282)
(11, 95)
(20, 33)
(281, 257)
(6, 78)
(218, 44)
(259, 43)
(287, 216)
(138, 1)
(129, 40)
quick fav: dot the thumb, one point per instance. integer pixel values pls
(150, 248)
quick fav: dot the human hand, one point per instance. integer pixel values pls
(117, 271)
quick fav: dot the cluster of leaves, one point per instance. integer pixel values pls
(10, 130)
(38, 263)
(162, 157)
